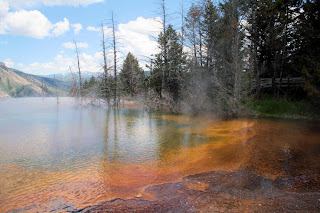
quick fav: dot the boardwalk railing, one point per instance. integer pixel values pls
(285, 82)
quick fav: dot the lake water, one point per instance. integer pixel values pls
(62, 157)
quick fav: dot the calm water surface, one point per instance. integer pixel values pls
(55, 156)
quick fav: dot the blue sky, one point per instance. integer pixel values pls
(36, 36)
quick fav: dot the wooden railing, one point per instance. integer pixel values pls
(285, 82)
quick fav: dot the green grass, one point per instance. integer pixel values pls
(283, 108)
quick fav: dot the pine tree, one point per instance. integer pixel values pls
(210, 26)
(307, 54)
(171, 66)
(92, 81)
(131, 76)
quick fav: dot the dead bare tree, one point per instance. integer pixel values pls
(191, 31)
(106, 89)
(74, 88)
(114, 46)
(182, 23)
(79, 68)
(165, 44)
(182, 40)
(105, 67)
(200, 15)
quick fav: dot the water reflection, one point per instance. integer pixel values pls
(87, 156)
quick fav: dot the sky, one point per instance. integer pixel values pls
(37, 36)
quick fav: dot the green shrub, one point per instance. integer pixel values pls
(282, 107)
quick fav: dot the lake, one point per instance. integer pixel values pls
(59, 157)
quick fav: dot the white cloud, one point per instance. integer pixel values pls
(91, 63)
(8, 62)
(136, 36)
(107, 30)
(26, 23)
(76, 28)
(3, 42)
(61, 27)
(96, 29)
(20, 4)
(31, 23)
(61, 64)
(71, 45)
(4, 8)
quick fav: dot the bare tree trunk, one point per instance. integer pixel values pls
(114, 61)
(283, 61)
(200, 38)
(79, 69)
(182, 25)
(74, 88)
(105, 65)
(165, 56)
(237, 59)
(194, 44)
(179, 75)
(256, 65)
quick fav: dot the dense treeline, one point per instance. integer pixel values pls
(284, 39)
(221, 53)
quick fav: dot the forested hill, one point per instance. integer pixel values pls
(14, 83)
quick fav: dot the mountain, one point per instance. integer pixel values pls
(14, 83)
(69, 77)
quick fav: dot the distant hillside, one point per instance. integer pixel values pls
(68, 76)
(14, 83)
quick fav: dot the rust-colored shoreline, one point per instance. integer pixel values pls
(220, 191)
(217, 191)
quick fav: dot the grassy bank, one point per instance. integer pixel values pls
(282, 108)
